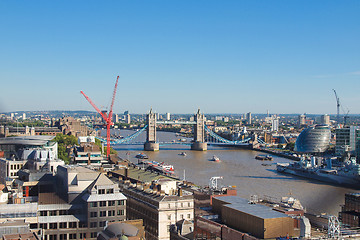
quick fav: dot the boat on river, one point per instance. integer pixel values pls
(264, 157)
(215, 159)
(141, 156)
(182, 154)
(347, 174)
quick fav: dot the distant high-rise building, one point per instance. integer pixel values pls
(248, 117)
(128, 119)
(168, 116)
(325, 119)
(347, 139)
(12, 115)
(275, 124)
(24, 116)
(302, 120)
(116, 118)
(218, 118)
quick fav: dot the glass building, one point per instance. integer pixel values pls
(313, 139)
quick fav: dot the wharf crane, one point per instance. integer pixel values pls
(338, 110)
(337, 107)
(106, 116)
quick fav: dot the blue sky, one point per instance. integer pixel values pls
(177, 56)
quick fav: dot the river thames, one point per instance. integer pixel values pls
(240, 168)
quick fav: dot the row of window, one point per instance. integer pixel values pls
(16, 166)
(69, 236)
(181, 205)
(110, 213)
(57, 212)
(61, 225)
(95, 224)
(107, 203)
(106, 191)
(181, 216)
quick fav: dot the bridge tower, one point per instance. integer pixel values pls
(151, 144)
(199, 143)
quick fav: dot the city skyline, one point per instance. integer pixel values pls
(234, 56)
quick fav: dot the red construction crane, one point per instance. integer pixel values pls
(107, 117)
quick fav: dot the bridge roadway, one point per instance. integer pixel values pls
(188, 144)
(176, 122)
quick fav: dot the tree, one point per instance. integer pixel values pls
(64, 141)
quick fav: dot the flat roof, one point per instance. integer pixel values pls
(38, 140)
(243, 205)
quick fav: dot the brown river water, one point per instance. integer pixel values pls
(240, 168)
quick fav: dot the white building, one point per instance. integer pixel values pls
(168, 116)
(275, 125)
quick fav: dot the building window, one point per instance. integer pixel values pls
(82, 235)
(72, 225)
(102, 213)
(43, 213)
(53, 226)
(168, 205)
(109, 191)
(169, 217)
(182, 205)
(52, 213)
(111, 213)
(189, 204)
(102, 224)
(93, 224)
(53, 237)
(72, 236)
(63, 212)
(189, 215)
(93, 235)
(120, 212)
(121, 202)
(62, 225)
(63, 236)
(43, 225)
(111, 203)
(103, 204)
(101, 191)
(181, 216)
(93, 214)
(93, 204)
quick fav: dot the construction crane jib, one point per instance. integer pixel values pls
(107, 117)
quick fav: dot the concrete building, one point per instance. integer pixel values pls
(156, 199)
(302, 119)
(248, 118)
(71, 126)
(346, 139)
(350, 212)
(128, 118)
(257, 220)
(168, 116)
(275, 125)
(88, 153)
(325, 119)
(88, 201)
(36, 152)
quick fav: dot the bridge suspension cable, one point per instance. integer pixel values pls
(126, 139)
(221, 139)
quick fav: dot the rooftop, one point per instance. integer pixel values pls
(39, 140)
(243, 205)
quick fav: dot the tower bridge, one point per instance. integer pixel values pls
(199, 143)
(200, 131)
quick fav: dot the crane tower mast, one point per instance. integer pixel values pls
(107, 117)
(338, 107)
